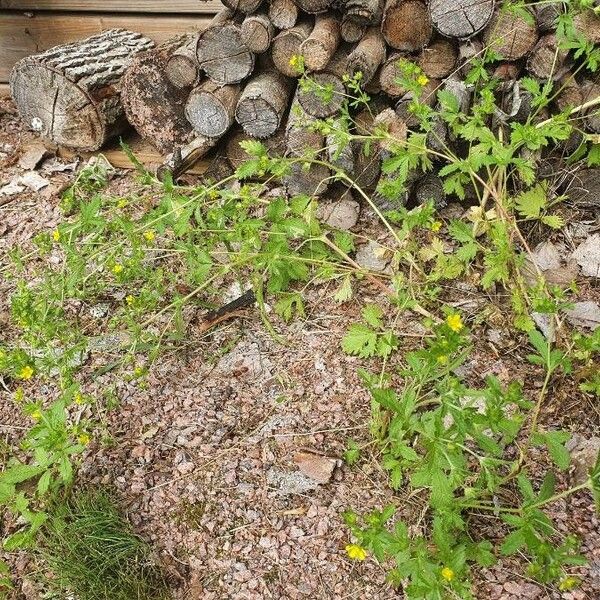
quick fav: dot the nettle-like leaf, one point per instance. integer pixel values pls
(360, 340)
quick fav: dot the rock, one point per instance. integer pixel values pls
(372, 257)
(545, 324)
(547, 256)
(317, 467)
(584, 454)
(587, 256)
(287, 484)
(342, 214)
(584, 315)
(12, 188)
(246, 360)
(34, 181)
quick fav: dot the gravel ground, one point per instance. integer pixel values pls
(204, 452)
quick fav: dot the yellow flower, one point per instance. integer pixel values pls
(56, 235)
(447, 573)
(26, 372)
(422, 80)
(122, 203)
(436, 226)
(149, 235)
(356, 552)
(78, 398)
(138, 371)
(454, 322)
(36, 415)
(442, 359)
(118, 268)
(83, 439)
(130, 300)
(568, 583)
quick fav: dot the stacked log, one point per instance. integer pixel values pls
(238, 78)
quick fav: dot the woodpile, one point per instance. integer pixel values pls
(242, 77)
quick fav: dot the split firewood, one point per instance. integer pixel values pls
(182, 68)
(283, 13)
(70, 94)
(153, 105)
(257, 32)
(211, 108)
(320, 46)
(221, 52)
(406, 24)
(439, 59)
(548, 60)
(351, 31)
(285, 48)
(368, 55)
(512, 35)
(323, 94)
(263, 103)
(184, 157)
(461, 19)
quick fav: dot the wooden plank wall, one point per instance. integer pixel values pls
(30, 26)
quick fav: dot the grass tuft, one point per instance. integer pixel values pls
(94, 555)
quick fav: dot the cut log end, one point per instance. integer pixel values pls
(406, 25)
(257, 32)
(461, 19)
(283, 13)
(512, 35)
(210, 109)
(223, 55)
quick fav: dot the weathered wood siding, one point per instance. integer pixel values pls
(30, 26)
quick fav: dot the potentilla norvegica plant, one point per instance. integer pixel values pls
(464, 451)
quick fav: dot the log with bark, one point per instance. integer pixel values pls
(320, 46)
(283, 13)
(153, 105)
(368, 55)
(263, 103)
(257, 32)
(285, 49)
(182, 68)
(70, 94)
(210, 108)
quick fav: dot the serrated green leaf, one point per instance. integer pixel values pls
(360, 340)
(372, 314)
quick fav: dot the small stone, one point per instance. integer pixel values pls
(584, 315)
(546, 256)
(372, 257)
(32, 155)
(587, 256)
(584, 453)
(545, 325)
(296, 532)
(34, 181)
(12, 188)
(342, 214)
